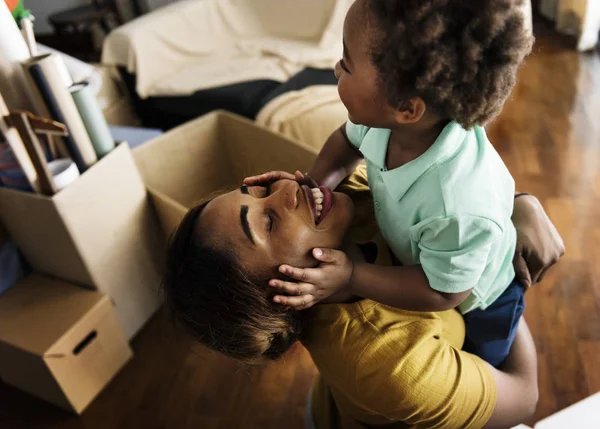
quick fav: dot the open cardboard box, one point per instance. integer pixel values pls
(59, 342)
(215, 152)
(99, 232)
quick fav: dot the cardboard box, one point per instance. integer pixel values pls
(215, 152)
(99, 232)
(59, 342)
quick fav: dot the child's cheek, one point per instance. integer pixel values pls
(343, 90)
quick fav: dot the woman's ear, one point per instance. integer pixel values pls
(410, 111)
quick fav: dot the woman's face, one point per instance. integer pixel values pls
(278, 224)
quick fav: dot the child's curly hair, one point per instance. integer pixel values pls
(461, 56)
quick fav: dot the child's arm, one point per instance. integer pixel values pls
(454, 252)
(336, 161)
(401, 287)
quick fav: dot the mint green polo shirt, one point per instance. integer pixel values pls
(448, 210)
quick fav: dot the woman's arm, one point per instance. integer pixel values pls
(539, 245)
(336, 161)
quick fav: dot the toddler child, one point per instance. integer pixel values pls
(420, 79)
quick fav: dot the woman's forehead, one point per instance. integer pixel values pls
(217, 217)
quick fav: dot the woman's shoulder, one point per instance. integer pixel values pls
(359, 332)
(399, 365)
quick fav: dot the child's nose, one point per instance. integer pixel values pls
(337, 70)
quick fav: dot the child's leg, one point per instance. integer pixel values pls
(491, 332)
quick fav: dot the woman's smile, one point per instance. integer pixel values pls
(320, 201)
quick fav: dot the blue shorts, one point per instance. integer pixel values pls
(491, 332)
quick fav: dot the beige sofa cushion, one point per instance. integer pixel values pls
(309, 115)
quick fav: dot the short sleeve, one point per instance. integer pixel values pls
(356, 133)
(454, 251)
(429, 385)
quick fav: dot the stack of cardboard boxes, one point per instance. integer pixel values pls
(63, 340)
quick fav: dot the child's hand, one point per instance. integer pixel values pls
(314, 284)
(274, 176)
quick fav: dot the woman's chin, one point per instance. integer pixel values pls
(340, 216)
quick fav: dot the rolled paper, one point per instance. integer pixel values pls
(93, 118)
(50, 82)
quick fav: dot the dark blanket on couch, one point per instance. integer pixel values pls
(245, 99)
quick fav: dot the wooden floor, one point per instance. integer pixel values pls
(549, 135)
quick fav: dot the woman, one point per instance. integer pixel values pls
(378, 366)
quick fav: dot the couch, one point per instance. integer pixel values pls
(195, 56)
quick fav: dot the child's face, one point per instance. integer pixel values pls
(358, 80)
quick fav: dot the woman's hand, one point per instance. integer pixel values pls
(274, 176)
(539, 245)
(314, 284)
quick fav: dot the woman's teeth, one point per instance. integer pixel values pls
(318, 198)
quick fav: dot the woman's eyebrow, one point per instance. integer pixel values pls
(245, 224)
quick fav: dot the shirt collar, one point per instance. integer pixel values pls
(399, 180)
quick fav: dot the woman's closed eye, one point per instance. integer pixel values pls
(269, 220)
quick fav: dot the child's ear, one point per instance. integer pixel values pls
(410, 111)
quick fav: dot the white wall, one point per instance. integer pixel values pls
(41, 9)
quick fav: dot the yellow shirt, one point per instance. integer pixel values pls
(380, 366)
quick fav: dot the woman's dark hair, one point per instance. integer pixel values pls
(219, 304)
(460, 56)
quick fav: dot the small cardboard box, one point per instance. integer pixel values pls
(59, 342)
(212, 153)
(99, 232)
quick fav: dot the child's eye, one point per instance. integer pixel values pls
(343, 66)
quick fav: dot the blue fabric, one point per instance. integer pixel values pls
(11, 270)
(133, 135)
(491, 332)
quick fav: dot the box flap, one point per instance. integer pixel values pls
(170, 212)
(117, 234)
(38, 311)
(47, 245)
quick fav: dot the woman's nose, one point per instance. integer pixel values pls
(292, 194)
(287, 196)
